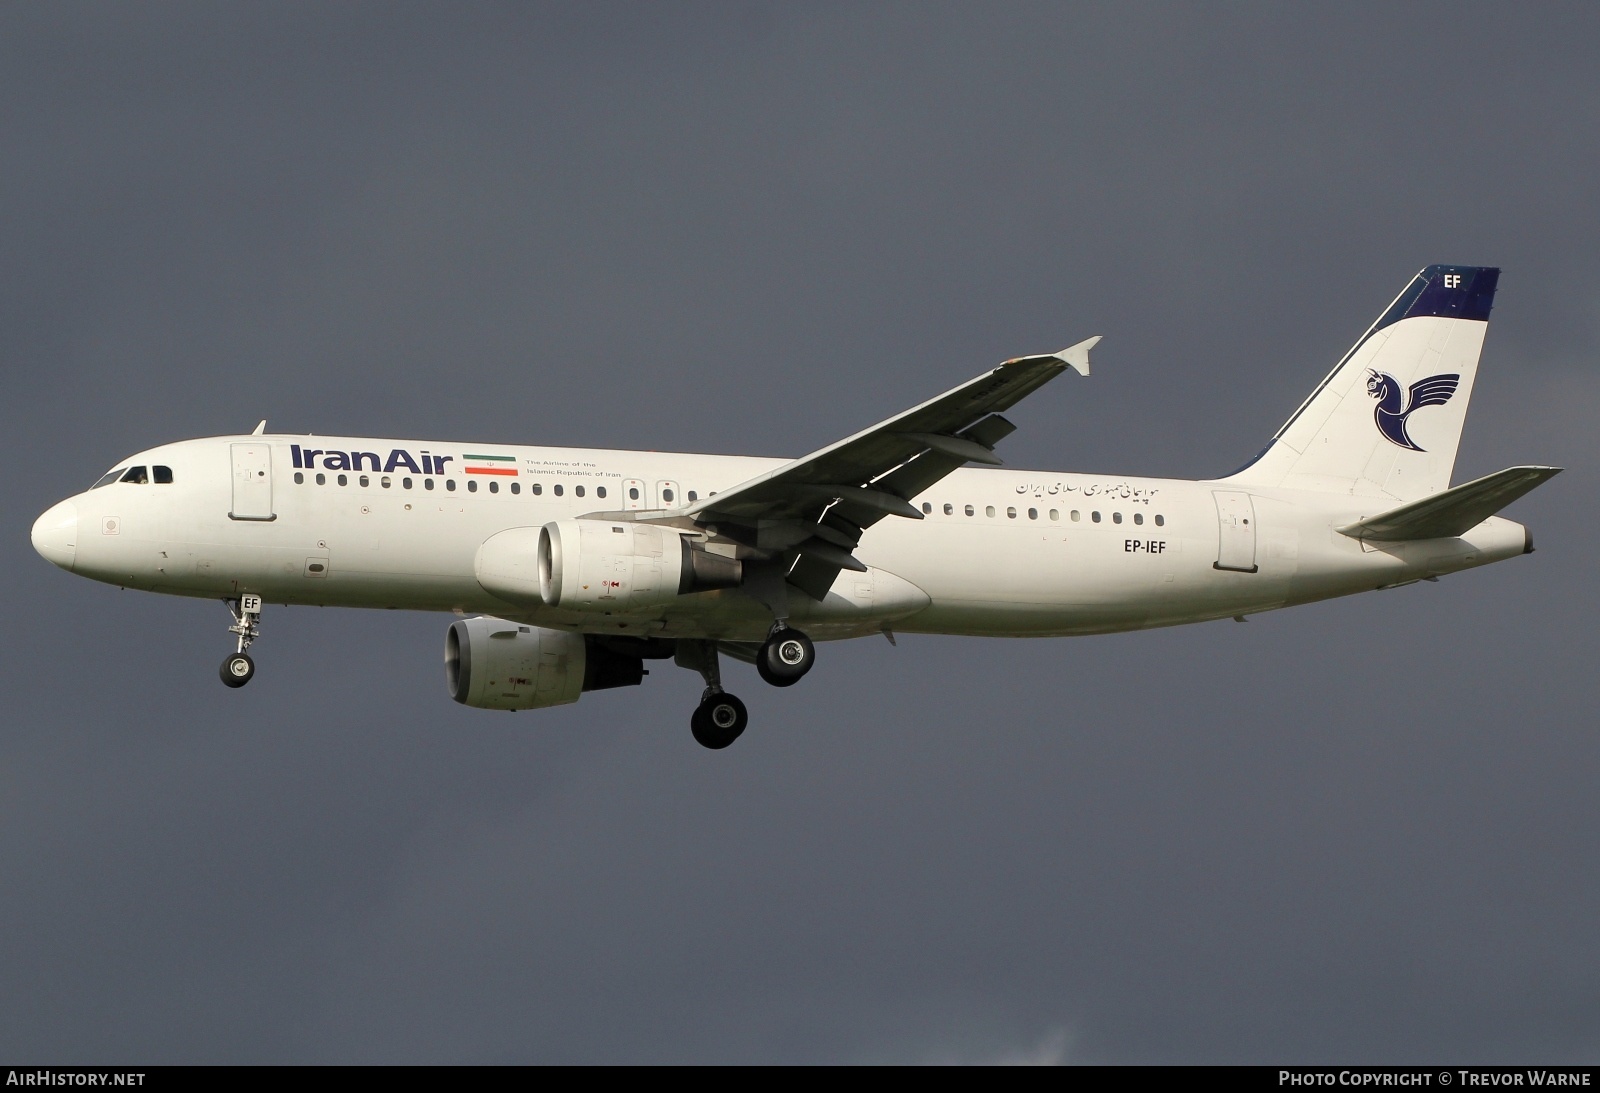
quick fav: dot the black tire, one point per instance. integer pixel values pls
(237, 670)
(785, 658)
(718, 721)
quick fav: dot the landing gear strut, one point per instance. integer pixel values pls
(239, 669)
(786, 656)
(720, 717)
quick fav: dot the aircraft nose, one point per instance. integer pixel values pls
(55, 535)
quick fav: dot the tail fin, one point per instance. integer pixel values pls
(1387, 420)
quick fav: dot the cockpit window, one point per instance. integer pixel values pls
(163, 475)
(108, 478)
(137, 475)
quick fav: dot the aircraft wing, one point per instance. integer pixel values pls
(811, 512)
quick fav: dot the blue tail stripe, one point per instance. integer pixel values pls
(1451, 292)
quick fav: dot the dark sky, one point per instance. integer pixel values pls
(1358, 831)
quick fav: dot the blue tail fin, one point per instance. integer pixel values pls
(1387, 420)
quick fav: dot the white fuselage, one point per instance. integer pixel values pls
(1000, 552)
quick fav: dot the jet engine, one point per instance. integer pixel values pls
(494, 664)
(598, 565)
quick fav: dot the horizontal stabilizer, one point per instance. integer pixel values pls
(1453, 512)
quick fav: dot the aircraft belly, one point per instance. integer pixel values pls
(1037, 579)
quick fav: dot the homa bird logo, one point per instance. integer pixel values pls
(1391, 415)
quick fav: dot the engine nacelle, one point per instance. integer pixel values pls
(494, 664)
(598, 565)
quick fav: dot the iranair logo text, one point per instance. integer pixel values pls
(398, 459)
(1391, 412)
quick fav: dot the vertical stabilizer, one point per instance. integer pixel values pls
(1387, 420)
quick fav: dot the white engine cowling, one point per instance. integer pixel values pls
(592, 564)
(494, 664)
(597, 565)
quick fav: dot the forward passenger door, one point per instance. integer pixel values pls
(252, 482)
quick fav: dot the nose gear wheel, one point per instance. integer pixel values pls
(237, 670)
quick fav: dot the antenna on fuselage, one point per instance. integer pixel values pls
(261, 427)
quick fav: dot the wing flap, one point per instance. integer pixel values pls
(1453, 512)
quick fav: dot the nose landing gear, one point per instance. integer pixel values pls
(786, 656)
(239, 669)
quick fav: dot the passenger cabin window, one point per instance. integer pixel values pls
(578, 490)
(1116, 517)
(137, 475)
(536, 489)
(427, 483)
(1095, 516)
(299, 478)
(693, 496)
(385, 482)
(472, 485)
(365, 481)
(494, 487)
(1055, 514)
(557, 489)
(1011, 513)
(1076, 516)
(927, 507)
(406, 482)
(1033, 514)
(344, 480)
(970, 511)
(1138, 517)
(516, 487)
(163, 475)
(600, 491)
(322, 479)
(988, 510)
(1161, 521)
(450, 484)
(949, 509)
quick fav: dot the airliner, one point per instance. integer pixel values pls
(569, 568)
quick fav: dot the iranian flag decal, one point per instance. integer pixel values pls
(490, 464)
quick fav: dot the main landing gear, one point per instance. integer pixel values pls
(783, 659)
(239, 669)
(718, 720)
(786, 656)
(720, 717)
